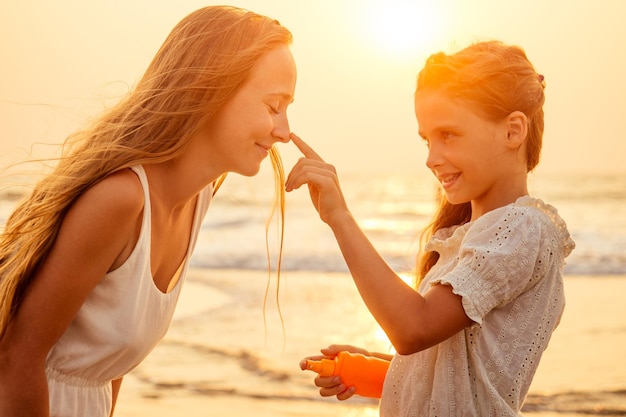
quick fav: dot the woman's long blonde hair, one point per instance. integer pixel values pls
(199, 67)
(494, 79)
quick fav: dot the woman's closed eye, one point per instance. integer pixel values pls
(274, 108)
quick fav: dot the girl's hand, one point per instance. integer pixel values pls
(333, 385)
(322, 181)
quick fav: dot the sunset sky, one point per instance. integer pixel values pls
(62, 61)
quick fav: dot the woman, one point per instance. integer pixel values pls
(91, 264)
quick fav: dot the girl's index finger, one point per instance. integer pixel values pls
(306, 150)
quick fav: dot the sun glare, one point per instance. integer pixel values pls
(400, 27)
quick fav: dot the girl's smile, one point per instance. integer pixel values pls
(447, 180)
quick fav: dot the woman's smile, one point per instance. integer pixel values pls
(264, 150)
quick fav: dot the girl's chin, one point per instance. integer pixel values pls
(455, 199)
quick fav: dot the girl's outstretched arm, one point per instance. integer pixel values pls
(412, 322)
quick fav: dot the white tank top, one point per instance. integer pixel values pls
(121, 321)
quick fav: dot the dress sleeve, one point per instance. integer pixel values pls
(499, 258)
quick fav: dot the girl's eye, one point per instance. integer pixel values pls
(446, 135)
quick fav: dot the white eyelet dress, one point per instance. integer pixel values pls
(507, 267)
(119, 324)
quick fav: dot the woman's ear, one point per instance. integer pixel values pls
(517, 129)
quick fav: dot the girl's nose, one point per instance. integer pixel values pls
(434, 157)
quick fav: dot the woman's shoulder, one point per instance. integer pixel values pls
(104, 221)
(119, 193)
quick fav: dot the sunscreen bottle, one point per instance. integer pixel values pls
(365, 373)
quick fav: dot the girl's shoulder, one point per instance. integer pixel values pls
(525, 209)
(527, 215)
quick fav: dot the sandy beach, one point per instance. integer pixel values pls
(222, 358)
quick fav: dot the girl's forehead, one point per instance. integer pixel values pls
(436, 110)
(439, 96)
(435, 103)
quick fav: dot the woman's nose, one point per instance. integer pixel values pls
(281, 129)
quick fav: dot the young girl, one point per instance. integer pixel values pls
(92, 263)
(490, 291)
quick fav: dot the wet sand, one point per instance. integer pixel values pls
(221, 358)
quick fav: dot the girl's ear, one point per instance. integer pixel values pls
(517, 129)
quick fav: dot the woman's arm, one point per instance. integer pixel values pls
(97, 231)
(412, 322)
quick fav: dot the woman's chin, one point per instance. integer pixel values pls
(249, 172)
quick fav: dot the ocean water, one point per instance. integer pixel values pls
(392, 210)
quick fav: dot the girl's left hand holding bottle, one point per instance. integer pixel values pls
(333, 385)
(322, 181)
